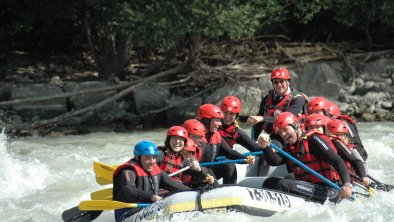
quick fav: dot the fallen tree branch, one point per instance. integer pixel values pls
(110, 99)
(65, 95)
(206, 89)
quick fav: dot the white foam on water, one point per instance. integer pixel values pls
(17, 177)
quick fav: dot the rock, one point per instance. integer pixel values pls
(45, 109)
(368, 116)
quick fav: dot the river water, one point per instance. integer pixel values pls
(42, 177)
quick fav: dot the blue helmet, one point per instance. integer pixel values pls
(146, 148)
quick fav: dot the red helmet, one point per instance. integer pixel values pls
(334, 110)
(231, 104)
(337, 126)
(190, 146)
(177, 131)
(195, 127)
(284, 119)
(280, 73)
(315, 120)
(209, 111)
(318, 103)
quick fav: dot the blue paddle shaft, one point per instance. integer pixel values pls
(245, 154)
(333, 185)
(223, 162)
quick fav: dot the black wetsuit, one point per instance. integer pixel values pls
(317, 147)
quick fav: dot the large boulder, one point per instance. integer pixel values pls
(248, 92)
(38, 110)
(321, 79)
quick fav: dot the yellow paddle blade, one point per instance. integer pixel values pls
(372, 191)
(93, 205)
(102, 181)
(105, 194)
(103, 170)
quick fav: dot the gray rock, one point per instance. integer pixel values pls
(43, 110)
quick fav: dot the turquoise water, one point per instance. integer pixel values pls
(42, 177)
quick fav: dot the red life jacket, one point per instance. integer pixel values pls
(282, 106)
(229, 134)
(171, 163)
(142, 180)
(198, 153)
(302, 153)
(212, 151)
(350, 147)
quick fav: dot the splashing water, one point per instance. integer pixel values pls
(19, 178)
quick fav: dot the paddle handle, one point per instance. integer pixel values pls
(333, 185)
(244, 154)
(179, 171)
(223, 162)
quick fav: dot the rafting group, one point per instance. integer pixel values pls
(320, 148)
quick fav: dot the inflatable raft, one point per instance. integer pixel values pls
(252, 201)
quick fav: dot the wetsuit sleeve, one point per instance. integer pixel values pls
(168, 183)
(348, 156)
(356, 140)
(321, 148)
(127, 179)
(296, 105)
(259, 126)
(272, 158)
(244, 140)
(225, 150)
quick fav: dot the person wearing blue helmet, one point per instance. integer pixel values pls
(140, 178)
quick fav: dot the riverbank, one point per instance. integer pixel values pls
(65, 95)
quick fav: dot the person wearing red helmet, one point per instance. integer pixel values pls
(313, 149)
(318, 105)
(282, 98)
(316, 122)
(139, 180)
(196, 130)
(196, 176)
(229, 130)
(353, 135)
(338, 131)
(170, 158)
(211, 116)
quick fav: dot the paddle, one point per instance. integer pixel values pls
(379, 185)
(333, 185)
(105, 194)
(95, 205)
(370, 189)
(258, 153)
(76, 215)
(104, 172)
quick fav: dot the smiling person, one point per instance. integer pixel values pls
(211, 116)
(314, 150)
(140, 178)
(169, 158)
(282, 98)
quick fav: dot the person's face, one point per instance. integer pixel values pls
(289, 135)
(214, 125)
(319, 129)
(196, 139)
(177, 143)
(280, 86)
(343, 137)
(229, 118)
(148, 162)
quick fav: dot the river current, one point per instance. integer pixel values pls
(42, 177)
